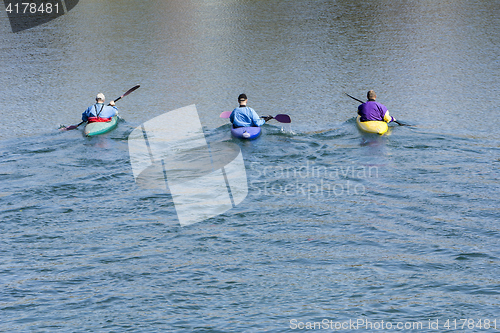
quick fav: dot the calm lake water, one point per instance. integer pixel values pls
(393, 233)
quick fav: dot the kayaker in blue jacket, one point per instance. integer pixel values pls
(372, 110)
(99, 109)
(244, 116)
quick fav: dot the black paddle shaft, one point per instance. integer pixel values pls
(354, 98)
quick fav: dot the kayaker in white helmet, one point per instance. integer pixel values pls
(99, 111)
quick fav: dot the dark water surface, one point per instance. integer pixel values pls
(337, 225)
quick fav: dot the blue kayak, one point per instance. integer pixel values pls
(248, 133)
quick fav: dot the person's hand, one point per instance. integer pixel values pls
(267, 118)
(112, 103)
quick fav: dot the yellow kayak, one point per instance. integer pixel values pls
(373, 126)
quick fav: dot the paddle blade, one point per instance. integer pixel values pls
(69, 128)
(128, 92)
(131, 90)
(225, 114)
(283, 118)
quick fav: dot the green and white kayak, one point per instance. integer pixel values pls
(97, 128)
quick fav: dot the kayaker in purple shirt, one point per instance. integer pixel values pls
(372, 110)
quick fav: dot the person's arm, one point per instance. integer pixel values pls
(115, 109)
(85, 115)
(388, 118)
(256, 119)
(231, 117)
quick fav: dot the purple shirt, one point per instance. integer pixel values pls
(372, 110)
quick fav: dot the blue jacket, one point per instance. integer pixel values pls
(245, 116)
(92, 111)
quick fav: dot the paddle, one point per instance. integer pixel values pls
(397, 122)
(282, 118)
(72, 127)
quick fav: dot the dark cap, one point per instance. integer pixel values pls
(242, 97)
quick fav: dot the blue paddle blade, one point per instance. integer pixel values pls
(283, 118)
(225, 114)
